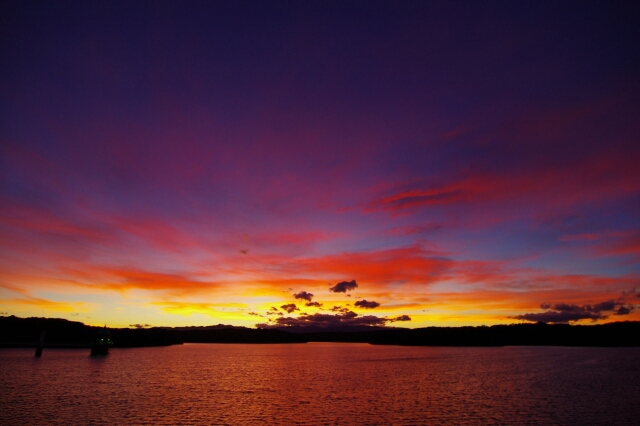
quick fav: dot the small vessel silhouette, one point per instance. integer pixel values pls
(102, 342)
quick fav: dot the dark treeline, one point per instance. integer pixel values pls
(613, 334)
(26, 331)
(16, 331)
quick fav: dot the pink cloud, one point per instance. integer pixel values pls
(123, 279)
(411, 264)
(482, 198)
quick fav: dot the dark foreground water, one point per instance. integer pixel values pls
(322, 383)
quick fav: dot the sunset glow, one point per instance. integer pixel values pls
(198, 163)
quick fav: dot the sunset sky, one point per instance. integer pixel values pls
(195, 163)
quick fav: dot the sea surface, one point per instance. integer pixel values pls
(321, 384)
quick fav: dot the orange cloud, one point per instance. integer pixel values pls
(411, 264)
(39, 303)
(123, 279)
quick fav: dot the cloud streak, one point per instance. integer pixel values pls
(565, 313)
(346, 319)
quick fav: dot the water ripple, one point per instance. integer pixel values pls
(321, 384)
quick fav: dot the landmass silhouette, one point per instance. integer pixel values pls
(25, 332)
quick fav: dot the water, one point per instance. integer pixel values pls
(322, 383)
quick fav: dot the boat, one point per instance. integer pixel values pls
(102, 343)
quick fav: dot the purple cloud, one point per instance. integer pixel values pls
(623, 310)
(344, 286)
(346, 318)
(289, 308)
(303, 295)
(327, 320)
(559, 317)
(274, 311)
(139, 326)
(564, 312)
(366, 304)
(400, 318)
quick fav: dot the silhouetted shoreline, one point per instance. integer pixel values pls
(60, 333)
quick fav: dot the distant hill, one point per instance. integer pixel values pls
(203, 327)
(616, 334)
(16, 331)
(24, 331)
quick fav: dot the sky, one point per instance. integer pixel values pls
(317, 163)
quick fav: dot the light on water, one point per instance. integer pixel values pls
(321, 383)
